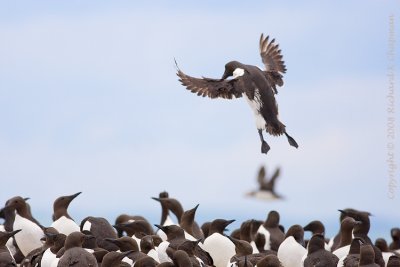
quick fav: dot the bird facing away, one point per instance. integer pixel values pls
(257, 86)
(266, 187)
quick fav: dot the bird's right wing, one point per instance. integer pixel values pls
(261, 178)
(273, 178)
(212, 88)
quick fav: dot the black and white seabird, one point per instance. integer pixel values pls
(6, 258)
(317, 255)
(62, 221)
(74, 254)
(258, 87)
(266, 186)
(31, 233)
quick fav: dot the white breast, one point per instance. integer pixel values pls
(255, 105)
(128, 260)
(162, 252)
(154, 254)
(47, 258)
(342, 252)
(220, 248)
(65, 225)
(290, 253)
(29, 238)
(262, 231)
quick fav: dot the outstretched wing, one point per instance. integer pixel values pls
(271, 55)
(273, 179)
(212, 88)
(261, 178)
(272, 59)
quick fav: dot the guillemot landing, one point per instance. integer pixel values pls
(258, 87)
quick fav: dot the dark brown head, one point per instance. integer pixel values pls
(74, 239)
(4, 236)
(219, 225)
(297, 232)
(172, 231)
(146, 244)
(61, 204)
(113, 258)
(19, 204)
(395, 233)
(230, 69)
(317, 242)
(367, 254)
(242, 247)
(315, 227)
(272, 219)
(125, 243)
(382, 244)
(171, 204)
(269, 261)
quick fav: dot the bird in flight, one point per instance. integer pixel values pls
(266, 187)
(257, 86)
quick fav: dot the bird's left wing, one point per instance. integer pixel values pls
(212, 88)
(271, 55)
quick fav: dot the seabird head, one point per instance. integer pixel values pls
(233, 68)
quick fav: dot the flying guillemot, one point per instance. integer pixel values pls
(257, 86)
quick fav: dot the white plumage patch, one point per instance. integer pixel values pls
(220, 248)
(255, 105)
(65, 225)
(87, 226)
(29, 238)
(262, 231)
(238, 72)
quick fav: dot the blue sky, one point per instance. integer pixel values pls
(89, 101)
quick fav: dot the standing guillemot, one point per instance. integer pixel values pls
(361, 230)
(192, 229)
(30, 236)
(74, 254)
(317, 255)
(269, 235)
(62, 221)
(257, 86)
(220, 247)
(6, 258)
(291, 250)
(266, 187)
(101, 229)
(346, 230)
(395, 244)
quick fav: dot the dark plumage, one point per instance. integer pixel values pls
(266, 186)
(257, 86)
(74, 254)
(317, 255)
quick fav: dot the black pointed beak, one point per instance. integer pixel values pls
(225, 75)
(159, 226)
(13, 233)
(156, 199)
(75, 195)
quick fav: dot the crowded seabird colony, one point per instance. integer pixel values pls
(180, 241)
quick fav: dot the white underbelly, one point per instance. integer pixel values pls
(256, 107)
